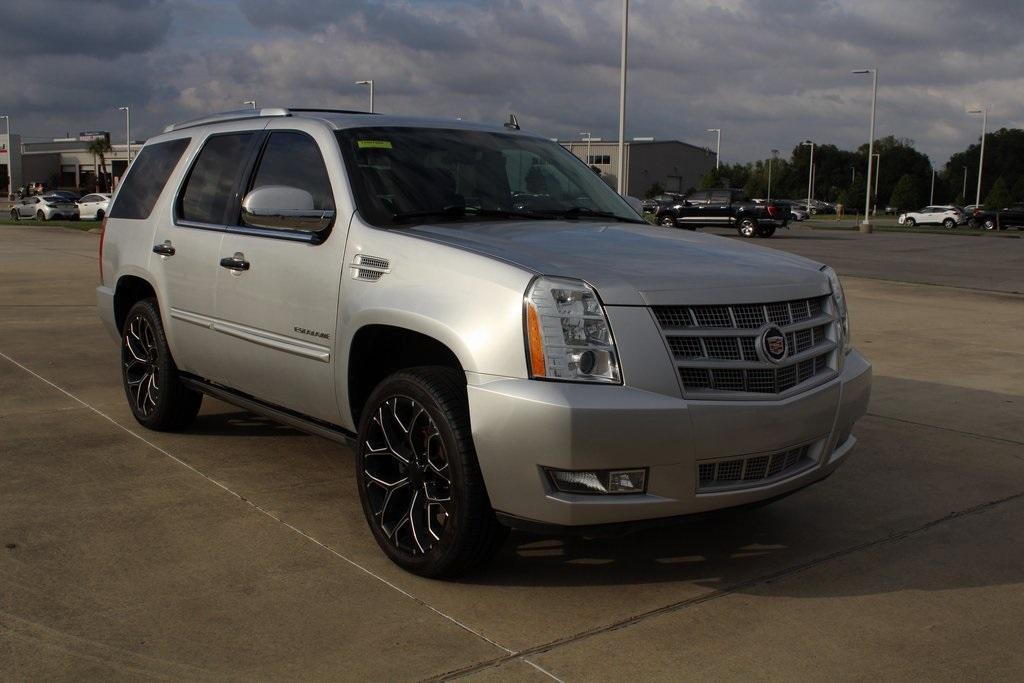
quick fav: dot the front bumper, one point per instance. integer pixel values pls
(521, 427)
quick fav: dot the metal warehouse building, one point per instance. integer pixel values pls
(676, 166)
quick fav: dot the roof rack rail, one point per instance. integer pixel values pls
(333, 111)
(236, 115)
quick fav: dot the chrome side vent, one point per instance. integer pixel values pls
(369, 268)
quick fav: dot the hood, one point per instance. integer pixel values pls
(639, 265)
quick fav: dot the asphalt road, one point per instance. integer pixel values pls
(237, 549)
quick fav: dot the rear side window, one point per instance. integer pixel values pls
(293, 160)
(146, 179)
(211, 183)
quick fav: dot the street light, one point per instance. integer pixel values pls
(10, 157)
(718, 146)
(620, 181)
(252, 102)
(866, 225)
(775, 155)
(981, 159)
(369, 83)
(877, 156)
(931, 197)
(964, 193)
(810, 174)
(127, 132)
(589, 136)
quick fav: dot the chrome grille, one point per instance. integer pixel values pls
(754, 469)
(715, 347)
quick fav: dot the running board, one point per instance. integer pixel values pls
(304, 423)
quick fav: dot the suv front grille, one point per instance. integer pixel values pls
(715, 347)
(751, 470)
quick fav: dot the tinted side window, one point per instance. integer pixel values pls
(720, 197)
(211, 182)
(146, 179)
(293, 160)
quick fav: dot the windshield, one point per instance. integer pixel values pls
(407, 176)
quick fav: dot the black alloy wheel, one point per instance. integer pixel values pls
(419, 481)
(156, 396)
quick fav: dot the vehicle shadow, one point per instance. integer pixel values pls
(239, 422)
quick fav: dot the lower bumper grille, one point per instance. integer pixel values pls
(751, 470)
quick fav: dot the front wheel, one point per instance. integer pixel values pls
(419, 481)
(14, 215)
(40, 216)
(99, 214)
(747, 227)
(910, 222)
(155, 393)
(949, 223)
(668, 221)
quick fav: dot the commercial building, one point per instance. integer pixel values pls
(10, 163)
(675, 166)
(67, 164)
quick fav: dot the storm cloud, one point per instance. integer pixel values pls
(768, 72)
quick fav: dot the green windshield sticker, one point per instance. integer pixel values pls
(374, 144)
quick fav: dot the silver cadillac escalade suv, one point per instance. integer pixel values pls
(499, 337)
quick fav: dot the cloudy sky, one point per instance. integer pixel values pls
(768, 72)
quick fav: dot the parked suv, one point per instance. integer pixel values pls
(500, 339)
(724, 208)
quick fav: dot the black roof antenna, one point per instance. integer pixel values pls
(512, 123)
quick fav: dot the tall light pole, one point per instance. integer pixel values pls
(127, 132)
(718, 146)
(866, 225)
(981, 158)
(775, 154)
(252, 103)
(964, 193)
(10, 157)
(877, 156)
(621, 180)
(369, 83)
(810, 174)
(589, 136)
(931, 197)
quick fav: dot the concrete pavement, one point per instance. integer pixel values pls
(238, 549)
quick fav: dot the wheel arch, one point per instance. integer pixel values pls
(129, 290)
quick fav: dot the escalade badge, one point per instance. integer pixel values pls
(771, 344)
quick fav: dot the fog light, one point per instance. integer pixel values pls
(599, 482)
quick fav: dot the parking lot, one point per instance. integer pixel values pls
(238, 548)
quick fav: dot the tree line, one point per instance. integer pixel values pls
(904, 174)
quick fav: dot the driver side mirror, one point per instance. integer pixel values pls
(279, 207)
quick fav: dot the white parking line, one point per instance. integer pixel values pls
(269, 514)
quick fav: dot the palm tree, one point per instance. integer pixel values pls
(99, 148)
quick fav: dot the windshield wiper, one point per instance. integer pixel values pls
(577, 211)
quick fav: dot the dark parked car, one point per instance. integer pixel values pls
(657, 202)
(1009, 217)
(710, 208)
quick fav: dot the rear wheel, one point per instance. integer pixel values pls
(99, 214)
(765, 231)
(747, 227)
(419, 481)
(990, 224)
(40, 216)
(949, 223)
(14, 215)
(910, 222)
(155, 393)
(668, 221)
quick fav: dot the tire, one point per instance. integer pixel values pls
(40, 216)
(431, 473)
(156, 396)
(99, 214)
(910, 222)
(949, 223)
(989, 224)
(747, 227)
(14, 215)
(668, 221)
(765, 231)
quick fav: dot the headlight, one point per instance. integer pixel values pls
(839, 297)
(567, 333)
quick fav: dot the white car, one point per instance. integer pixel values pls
(44, 208)
(93, 206)
(946, 216)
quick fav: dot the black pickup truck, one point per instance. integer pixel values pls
(710, 208)
(1009, 217)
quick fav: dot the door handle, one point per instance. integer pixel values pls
(164, 249)
(236, 262)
